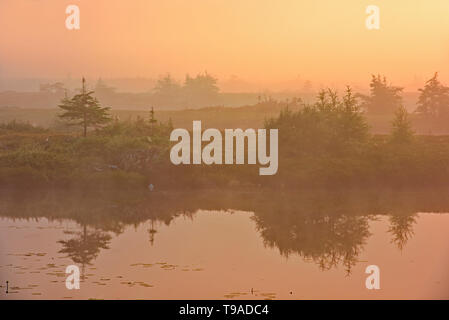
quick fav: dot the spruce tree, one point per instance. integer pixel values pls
(434, 98)
(84, 110)
(402, 131)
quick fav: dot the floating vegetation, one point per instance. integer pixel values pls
(233, 295)
(57, 274)
(168, 266)
(29, 254)
(140, 283)
(145, 265)
(269, 295)
(146, 285)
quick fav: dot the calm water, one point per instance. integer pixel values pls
(169, 247)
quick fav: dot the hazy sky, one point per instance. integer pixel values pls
(263, 41)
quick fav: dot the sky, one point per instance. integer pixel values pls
(277, 43)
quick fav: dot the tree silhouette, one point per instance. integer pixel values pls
(103, 91)
(402, 131)
(153, 120)
(167, 87)
(383, 98)
(168, 92)
(84, 110)
(434, 98)
(55, 88)
(200, 89)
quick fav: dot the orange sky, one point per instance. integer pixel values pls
(261, 41)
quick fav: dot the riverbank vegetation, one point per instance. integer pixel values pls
(325, 144)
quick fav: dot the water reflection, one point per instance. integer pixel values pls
(401, 228)
(328, 228)
(326, 240)
(85, 245)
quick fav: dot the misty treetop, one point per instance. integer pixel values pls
(434, 98)
(199, 90)
(384, 98)
(202, 90)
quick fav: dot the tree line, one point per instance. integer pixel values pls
(325, 143)
(385, 98)
(202, 90)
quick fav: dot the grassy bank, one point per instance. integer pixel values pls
(133, 154)
(330, 144)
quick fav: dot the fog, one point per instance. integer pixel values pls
(265, 44)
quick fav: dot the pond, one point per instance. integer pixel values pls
(225, 245)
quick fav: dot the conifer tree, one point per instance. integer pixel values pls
(84, 110)
(434, 98)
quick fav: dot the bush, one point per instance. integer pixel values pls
(16, 126)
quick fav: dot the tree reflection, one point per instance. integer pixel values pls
(401, 228)
(152, 232)
(329, 228)
(85, 246)
(327, 241)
